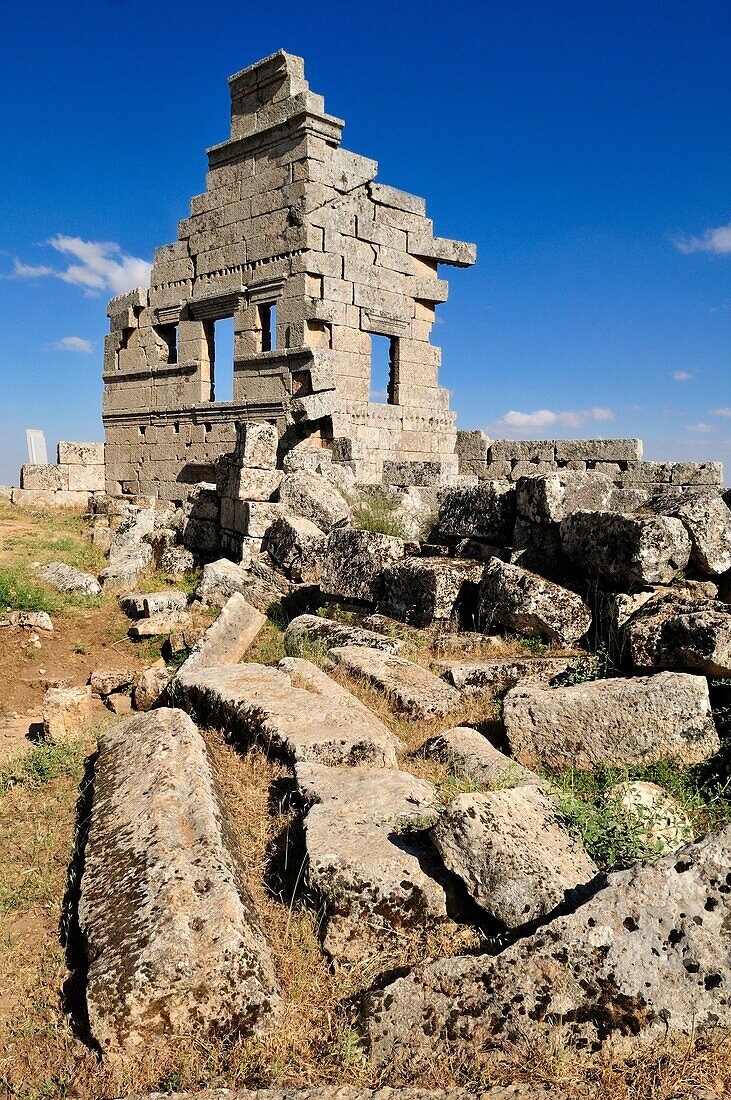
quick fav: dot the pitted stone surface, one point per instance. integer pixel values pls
(528, 604)
(221, 579)
(512, 853)
(626, 549)
(707, 520)
(684, 634)
(618, 721)
(67, 578)
(314, 630)
(646, 955)
(468, 752)
(314, 498)
(410, 687)
(173, 940)
(294, 710)
(354, 561)
(486, 511)
(361, 861)
(551, 497)
(421, 590)
(126, 567)
(296, 545)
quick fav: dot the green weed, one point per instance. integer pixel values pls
(43, 763)
(20, 592)
(374, 511)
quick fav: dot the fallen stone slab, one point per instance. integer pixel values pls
(468, 753)
(162, 622)
(675, 633)
(626, 549)
(126, 568)
(173, 940)
(66, 713)
(421, 590)
(512, 853)
(227, 639)
(409, 687)
(486, 511)
(549, 498)
(354, 560)
(294, 710)
(528, 604)
(307, 631)
(176, 561)
(707, 520)
(364, 867)
(296, 545)
(645, 956)
(74, 500)
(502, 673)
(620, 722)
(132, 530)
(314, 498)
(67, 578)
(105, 681)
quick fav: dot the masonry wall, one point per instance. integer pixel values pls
(290, 224)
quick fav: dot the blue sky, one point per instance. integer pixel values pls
(583, 146)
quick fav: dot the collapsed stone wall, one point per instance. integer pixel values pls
(619, 459)
(312, 259)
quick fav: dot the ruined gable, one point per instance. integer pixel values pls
(315, 263)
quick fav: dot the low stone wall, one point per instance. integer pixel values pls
(67, 483)
(620, 459)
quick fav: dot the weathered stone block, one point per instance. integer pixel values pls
(487, 512)
(626, 549)
(44, 477)
(422, 590)
(528, 604)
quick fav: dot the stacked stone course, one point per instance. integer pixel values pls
(65, 484)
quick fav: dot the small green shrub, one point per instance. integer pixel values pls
(43, 763)
(374, 511)
(20, 592)
(533, 645)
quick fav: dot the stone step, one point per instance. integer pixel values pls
(172, 935)
(409, 687)
(294, 710)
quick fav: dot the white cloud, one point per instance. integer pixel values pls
(682, 375)
(72, 343)
(700, 428)
(725, 413)
(717, 241)
(523, 423)
(100, 265)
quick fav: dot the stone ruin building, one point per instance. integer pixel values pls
(316, 263)
(325, 277)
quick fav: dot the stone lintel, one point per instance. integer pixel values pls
(443, 250)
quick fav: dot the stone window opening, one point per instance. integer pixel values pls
(220, 340)
(384, 361)
(169, 336)
(268, 325)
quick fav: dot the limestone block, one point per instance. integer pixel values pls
(626, 549)
(354, 560)
(227, 639)
(529, 604)
(295, 544)
(179, 947)
(258, 516)
(371, 876)
(550, 498)
(46, 477)
(604, 450)
(499, 674)
(295, 711)
(707, 520)
(315, 498)
(487, 511)
(619, 722)
(67, 578)
(66, 713)
(90, 478)
(445, 251)
(409, 687)
(256, 484)
(513, 854)
(256, 444)
(522, 450)
(220, 580)
(421, 591)
(652, 940)
(678, 632)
